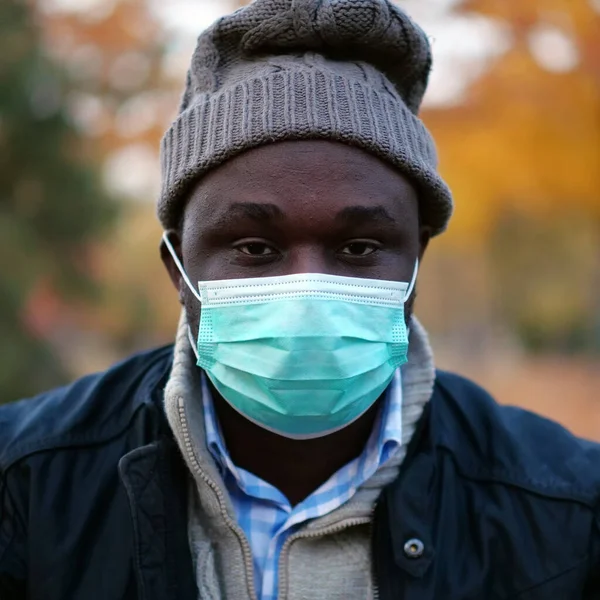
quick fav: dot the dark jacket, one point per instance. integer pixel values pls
(93, 502)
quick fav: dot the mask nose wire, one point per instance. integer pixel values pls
(412, 282)
(165, 238)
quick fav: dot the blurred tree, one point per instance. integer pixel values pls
(527, 134)
(117, 55)
(51, 204)
(522, 155)
(114, 52)
(548, 267)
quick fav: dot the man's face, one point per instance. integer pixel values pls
(298, 207)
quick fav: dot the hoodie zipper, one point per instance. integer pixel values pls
(371, 540)
(246, 550)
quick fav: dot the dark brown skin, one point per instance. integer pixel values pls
(297, 207)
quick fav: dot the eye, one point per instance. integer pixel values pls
(359, 248)
(256, 249)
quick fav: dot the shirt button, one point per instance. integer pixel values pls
(414, 548)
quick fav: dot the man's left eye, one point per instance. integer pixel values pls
(359, 248)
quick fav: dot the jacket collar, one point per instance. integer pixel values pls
(155, 480)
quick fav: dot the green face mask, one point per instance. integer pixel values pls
(301, 355)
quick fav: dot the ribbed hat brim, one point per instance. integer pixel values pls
(299, 105)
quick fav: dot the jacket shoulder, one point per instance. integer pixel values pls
(511, 445)
(90, 410)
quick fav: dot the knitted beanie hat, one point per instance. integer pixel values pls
(354, 71)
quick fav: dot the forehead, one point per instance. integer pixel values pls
(308, 181)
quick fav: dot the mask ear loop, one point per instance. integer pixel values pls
(192, 343)
(165, 238)
(412, 282)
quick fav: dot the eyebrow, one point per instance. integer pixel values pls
(266, 213)
(256, 211)
(361, 214)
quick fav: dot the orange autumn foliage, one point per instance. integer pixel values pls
(115, 56)
(526, 139)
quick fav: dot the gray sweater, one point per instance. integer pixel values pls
(327, 558)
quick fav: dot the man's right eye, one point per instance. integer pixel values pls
(256, 249)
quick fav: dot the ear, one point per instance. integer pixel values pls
(169, 263)
(424, 237)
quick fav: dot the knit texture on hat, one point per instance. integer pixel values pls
(354, 71)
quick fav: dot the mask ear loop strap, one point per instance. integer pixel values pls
(165, 238)
(412, 282)
(192, 343)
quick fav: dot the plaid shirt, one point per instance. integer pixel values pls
(265, 514)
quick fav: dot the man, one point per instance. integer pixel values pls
(296, 442)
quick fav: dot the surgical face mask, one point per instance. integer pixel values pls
(301, 355)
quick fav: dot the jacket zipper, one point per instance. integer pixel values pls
(308, 535)
(246, 550)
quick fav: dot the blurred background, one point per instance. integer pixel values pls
(510, 295)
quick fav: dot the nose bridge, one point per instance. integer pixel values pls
(307, 258)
